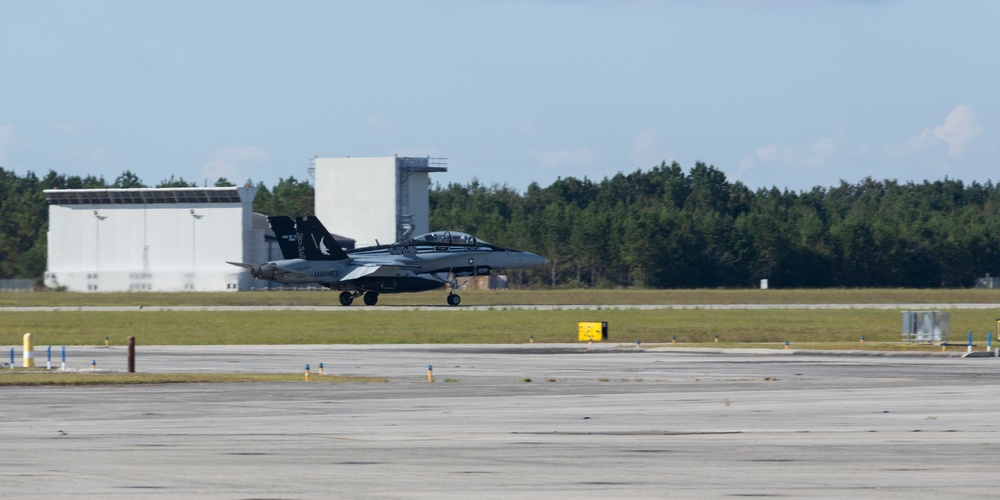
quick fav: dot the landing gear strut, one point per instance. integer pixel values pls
(453, 298)
(371, 298)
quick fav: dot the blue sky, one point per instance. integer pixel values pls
(782, 93)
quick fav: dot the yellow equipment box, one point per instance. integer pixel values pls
(592, 330)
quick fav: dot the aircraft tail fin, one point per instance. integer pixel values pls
(315, 242)
(284, 229)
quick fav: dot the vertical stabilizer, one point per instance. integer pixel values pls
(315, 242)
(284, 229)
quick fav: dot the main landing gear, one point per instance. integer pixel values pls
(346, 298)
(371, 298)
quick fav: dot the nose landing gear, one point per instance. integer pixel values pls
(453, 298)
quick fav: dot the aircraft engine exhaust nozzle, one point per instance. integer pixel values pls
(264, 272)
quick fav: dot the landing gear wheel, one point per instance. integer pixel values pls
(454, 299)
(371, 298)
(346, 298)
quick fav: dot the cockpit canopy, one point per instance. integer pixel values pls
(449, 238)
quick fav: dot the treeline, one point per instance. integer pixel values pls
(667, 228)
(661, 228)
(25, 214)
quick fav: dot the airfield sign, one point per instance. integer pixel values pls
(592, 331)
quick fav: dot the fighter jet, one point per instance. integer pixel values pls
(413, 265)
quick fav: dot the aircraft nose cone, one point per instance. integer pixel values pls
(534, 260)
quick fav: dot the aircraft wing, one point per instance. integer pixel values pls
(378, 270)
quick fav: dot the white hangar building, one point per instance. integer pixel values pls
(176, 239)
(381, 199)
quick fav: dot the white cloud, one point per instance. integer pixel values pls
(765, 154)
(960, 128)
(815, 155)
(646, 150)
(578, 157)
(226, 162)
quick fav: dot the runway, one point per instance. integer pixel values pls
(535, 421)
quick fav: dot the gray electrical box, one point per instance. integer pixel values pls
(926, 326)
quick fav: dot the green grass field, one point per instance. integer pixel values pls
(503, 297)
(388, 325)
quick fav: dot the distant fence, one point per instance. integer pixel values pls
(17, 285)
(988, 282)
(293, 288)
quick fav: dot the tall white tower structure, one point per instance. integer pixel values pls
(381, 199)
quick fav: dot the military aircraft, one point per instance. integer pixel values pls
(311, 255)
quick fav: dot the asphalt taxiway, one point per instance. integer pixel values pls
(537, 421)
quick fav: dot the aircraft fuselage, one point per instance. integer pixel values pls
(415, 265)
